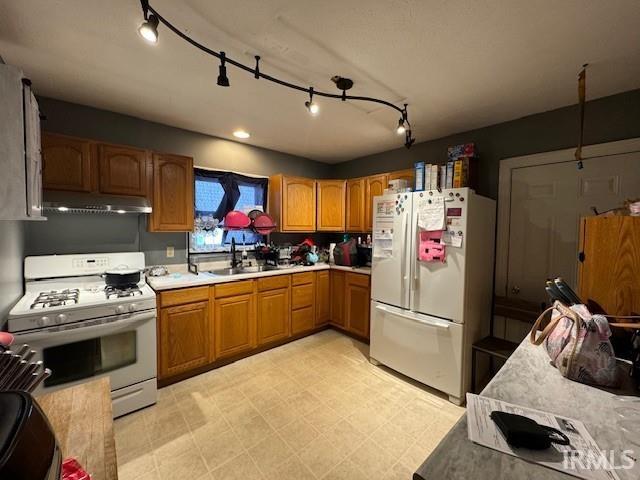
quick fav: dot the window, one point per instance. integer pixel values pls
(216, 194)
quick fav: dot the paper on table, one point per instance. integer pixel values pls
(483, 430)
(431, 213)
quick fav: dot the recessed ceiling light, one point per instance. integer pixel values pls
(241, 134)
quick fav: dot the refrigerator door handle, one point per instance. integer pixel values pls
(404, 248)
(416, 267)
(431, 322)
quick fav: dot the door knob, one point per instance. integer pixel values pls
(515, 289)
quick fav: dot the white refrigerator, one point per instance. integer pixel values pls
(426, 314)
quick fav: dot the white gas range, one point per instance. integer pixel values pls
(82, 329)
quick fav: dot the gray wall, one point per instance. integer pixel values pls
(74, 233)
(607, 119)
(11, 255)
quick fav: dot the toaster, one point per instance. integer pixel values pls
(28, 446)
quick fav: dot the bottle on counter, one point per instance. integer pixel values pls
(369, 239)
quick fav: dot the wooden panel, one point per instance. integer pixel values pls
(361, 279)
(122, 170)
(357, 304)
(609, 274)
(271, 283)
(82, 420)
(235, 325)
(323, 305)
(233, 288)
(338, 287)
(66, 163)
(302, 320)
(172, 194)
(355, 205)
(302, 278)
(183, 295)
(273, 315)
(408, 174)
(331, 205)
(185, 338)
(375, 186)
(298, 204)
(302, 296)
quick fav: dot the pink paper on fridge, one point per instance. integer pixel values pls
(430, 248)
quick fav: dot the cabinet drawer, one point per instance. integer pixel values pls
(361, 279)
(184, 295)
(302, 278)
(302, 320)
(272, 283)
(301, 296)
(233, 288)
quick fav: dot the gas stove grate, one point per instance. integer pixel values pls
(56, 298)
(122, 292)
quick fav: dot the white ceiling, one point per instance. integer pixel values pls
(460, 64)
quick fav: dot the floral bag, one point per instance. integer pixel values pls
(578, 344)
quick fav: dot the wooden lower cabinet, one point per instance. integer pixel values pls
(350, 302)
(234, 324)
(337, 288)
(303, 302)
(323, 297)
(185, 339)
(273, 315)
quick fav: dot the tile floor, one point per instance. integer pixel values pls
(311, 409)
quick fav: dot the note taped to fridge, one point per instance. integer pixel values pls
(431, 213)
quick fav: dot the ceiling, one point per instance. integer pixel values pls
(459, 64)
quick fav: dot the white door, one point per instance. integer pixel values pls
(547, 202)
(391, 256)
(438, 288)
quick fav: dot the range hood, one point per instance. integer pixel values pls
(78, 202)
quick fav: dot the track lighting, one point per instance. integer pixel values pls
(223, 80)
(149, 29)
(311, 105)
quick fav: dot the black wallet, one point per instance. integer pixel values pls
(522, 432)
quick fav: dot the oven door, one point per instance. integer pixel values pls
(122, 346)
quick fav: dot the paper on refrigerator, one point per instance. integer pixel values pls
(483, 430)
(431, 214)
(383, 231)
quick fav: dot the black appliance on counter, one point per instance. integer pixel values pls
(28, 447)
(364, 255)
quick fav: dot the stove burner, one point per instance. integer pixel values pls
(56, 298)
(120, 292)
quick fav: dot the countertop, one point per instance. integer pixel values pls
(528, 379)
(82, 420)
(183, 280)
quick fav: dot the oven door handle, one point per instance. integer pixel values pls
(76, 330)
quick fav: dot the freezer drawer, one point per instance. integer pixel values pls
(425, 348)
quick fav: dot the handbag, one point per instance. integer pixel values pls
(346, 253)
(578, 344)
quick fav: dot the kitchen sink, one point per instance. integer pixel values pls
(241, 270)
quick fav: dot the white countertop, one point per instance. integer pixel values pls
(183, 280)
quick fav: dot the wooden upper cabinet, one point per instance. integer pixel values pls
(292, 203)
(355, 205)
(608, 274)
(323, 297)
(185, 339)
(123, 170)
(376, 185)
(172, 194)
(357, 303)
(66, 163)
(331, 205)
(409, 175)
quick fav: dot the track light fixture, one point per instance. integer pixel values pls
(223, 80)
(149, 31)
(311, 105)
